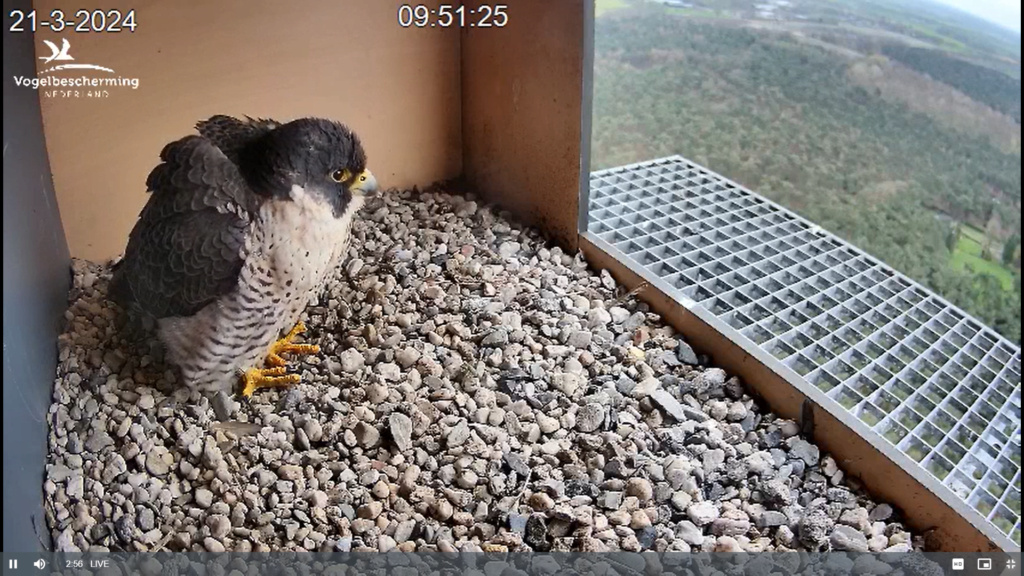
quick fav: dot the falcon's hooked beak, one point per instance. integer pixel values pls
(365, 184)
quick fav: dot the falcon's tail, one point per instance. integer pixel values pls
(133, 322)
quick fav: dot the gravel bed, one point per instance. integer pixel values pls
(477, 389)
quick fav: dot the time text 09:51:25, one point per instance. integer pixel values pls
(449, 16)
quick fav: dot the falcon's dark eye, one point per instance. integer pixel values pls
(341, 175)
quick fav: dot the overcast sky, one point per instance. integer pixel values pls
(1006, 13)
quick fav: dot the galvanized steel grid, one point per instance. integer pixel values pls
(936, 383)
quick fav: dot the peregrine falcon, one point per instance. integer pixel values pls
(244, 223)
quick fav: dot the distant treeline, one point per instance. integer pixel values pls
(983, 84)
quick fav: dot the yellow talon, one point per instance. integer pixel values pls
(288, 345)
(256, 378)
(274, 375)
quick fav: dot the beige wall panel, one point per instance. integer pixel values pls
(521, 88)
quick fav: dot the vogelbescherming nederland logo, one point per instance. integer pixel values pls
(91, 80)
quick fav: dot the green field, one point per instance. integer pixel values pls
(968, 253)
(695, 12)
(605, 6)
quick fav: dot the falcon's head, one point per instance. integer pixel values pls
(322, 157)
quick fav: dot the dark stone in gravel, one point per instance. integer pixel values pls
(646, 537)
(124, 529)
(617, 468)
(772, 518)
(577, 487)
(674, 439)
(625, 385)
(686, 354)
(537, 533)
(772, 438)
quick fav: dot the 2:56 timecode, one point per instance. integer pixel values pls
(110, 21)
(449, 16)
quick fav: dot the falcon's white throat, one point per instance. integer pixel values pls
(294, 245)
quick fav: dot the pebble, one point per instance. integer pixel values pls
(400, 426)
(689, 532)
(848, 538)
(640, 488)
(407, 357)
(669, 404)
(547, 424)
(159, 461)
(686, 354)
(213, 545)
(772, 518)
(219, 525)
(204, 498)
(727, 544)
(366, 435)
(702, 513)
(815, 528)
(718, 410)
(880, 513)
(146, 519)
(639, 520)
(618, 314)
(737, 412)
(223, 406)
(710, 379)
(590, 417)
(789, 429)
(598, 317)
(318, 499)
(404, 531)
(610, 500)
(508, 249)
(467, 479)
(458, 435)
(541, 502)
(370, 510)
(351, 361)
(804, 450)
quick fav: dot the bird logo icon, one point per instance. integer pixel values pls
(61, 55)
(55, 53)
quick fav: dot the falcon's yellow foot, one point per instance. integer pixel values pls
(288, 345)
(256, 378)
(274, 375)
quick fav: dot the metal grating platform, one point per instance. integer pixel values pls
(936, 383)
